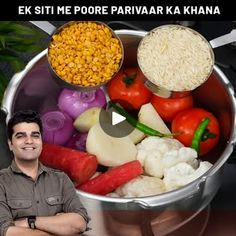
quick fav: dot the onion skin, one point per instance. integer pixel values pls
(57, 127)
(78, 141)
(75, 103)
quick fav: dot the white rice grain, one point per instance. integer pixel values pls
(175, 58)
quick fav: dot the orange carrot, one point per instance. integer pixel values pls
(79, 166)
(112, 179)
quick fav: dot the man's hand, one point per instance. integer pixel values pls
(60, 213)
(19, 230)
(22, 222)
(62, 224)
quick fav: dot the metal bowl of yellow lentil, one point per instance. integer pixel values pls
(84, 54)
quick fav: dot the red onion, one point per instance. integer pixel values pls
(74, 102)
(57, 127)
(78, 141)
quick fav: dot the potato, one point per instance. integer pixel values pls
(136, 136)
(87, 119)
(110, 151)
(148, 116)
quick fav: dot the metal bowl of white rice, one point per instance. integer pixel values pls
(175, 58)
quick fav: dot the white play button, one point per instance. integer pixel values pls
(114, 124)
(117, 118)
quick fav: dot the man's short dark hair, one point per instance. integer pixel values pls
(28, 116)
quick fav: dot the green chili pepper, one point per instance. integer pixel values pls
(197, 137)
(140, 126)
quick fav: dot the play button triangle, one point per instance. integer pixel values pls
(117, 118)
(113, 123)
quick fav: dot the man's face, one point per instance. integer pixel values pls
(26, 143)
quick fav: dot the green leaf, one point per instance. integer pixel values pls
(7, 55)
(19, 39)
(17, 65)
(15, 38)
(19, 29)
(2, 40)
(13, 59)
(3, 85)
(27, 48)
(3, 79)
(4, 25)
(207, 134)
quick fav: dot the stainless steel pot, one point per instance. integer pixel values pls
(34, 88)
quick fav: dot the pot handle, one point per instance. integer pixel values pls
(124, 23)
(3, 110)
(3, 114)
(224, 39)
(46, 26)
(6, 154)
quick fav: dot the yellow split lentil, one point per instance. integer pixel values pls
(85, 53)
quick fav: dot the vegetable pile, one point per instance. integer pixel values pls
(59, 127)
(161, 154)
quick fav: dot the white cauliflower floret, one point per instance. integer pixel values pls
(113, 194)
(184, 154)
(155, 154)
(164, 144)
(141, 186)
(183, 173)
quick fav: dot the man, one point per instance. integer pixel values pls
(34, 199)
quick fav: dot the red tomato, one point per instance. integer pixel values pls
(176, 94)
(167, 108)
(128, 88)
(186, 122)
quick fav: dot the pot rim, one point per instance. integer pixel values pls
(149, 201)
(14, 83)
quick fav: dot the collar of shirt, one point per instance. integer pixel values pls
(16, 169)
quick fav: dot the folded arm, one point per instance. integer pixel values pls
(62, 224)
(17, 230)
